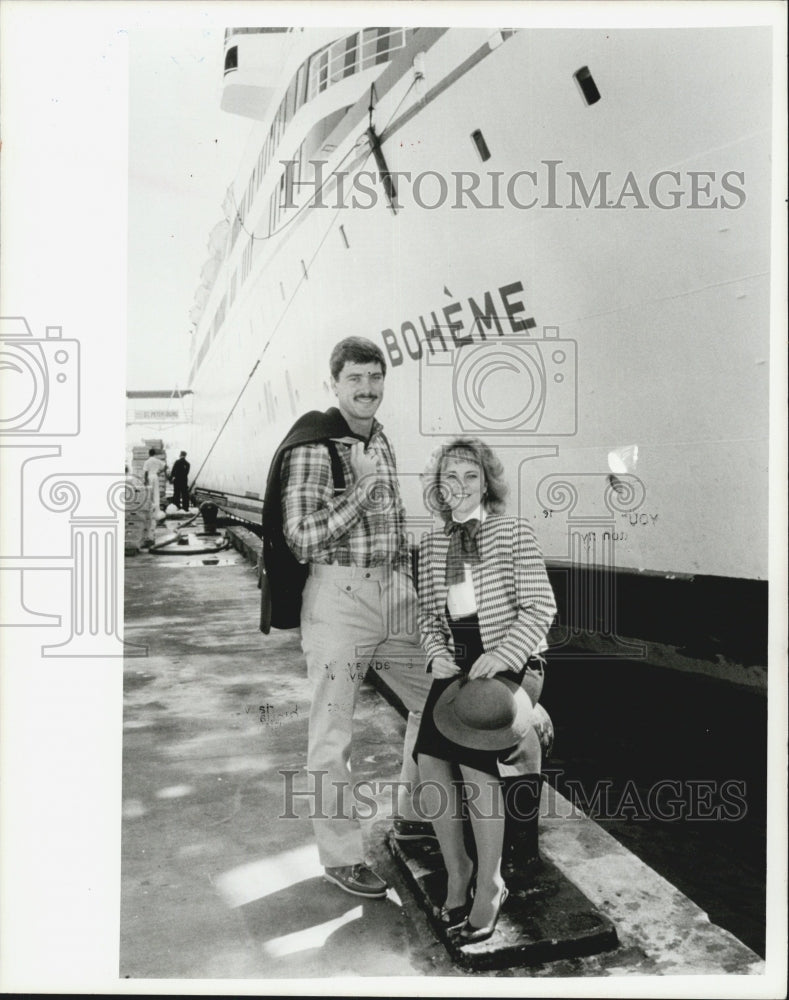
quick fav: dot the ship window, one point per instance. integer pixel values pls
(382, 45)
(274, 209)
(285, 189)
(290, 180)
(378, 43)
(323, 70)
(231, 59)
(588, 87)
(337, 61)
(301, 91)
(299, 166)
(312, 77)
(482, 147)
(351, 49)
(369, 46)
(290, 100)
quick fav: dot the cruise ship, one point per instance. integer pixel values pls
(560, 239)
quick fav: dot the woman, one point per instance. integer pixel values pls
(485, 606)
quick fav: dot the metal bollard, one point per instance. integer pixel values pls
(209, 512)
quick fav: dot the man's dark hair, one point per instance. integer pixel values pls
(357, 350)
(151, 452)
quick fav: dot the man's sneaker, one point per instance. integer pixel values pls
(412, 829)
(358, 879)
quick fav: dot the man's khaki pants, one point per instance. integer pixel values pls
(354, 619)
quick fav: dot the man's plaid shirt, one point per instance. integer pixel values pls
(360, 527)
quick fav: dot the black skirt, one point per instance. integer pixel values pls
(468, 649)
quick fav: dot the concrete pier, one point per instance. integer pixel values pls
(216, 884)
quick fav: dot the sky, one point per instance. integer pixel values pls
(183, 154)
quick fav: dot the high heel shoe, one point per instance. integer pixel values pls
(469, 934)
(453, 917)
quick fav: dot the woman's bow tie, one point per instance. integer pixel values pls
(462, 548)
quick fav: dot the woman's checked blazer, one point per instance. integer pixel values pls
(515, 602)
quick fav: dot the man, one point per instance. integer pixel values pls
(179, 476)
(359, 603)
(150, 474)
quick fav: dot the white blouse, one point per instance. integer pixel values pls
(461, 599)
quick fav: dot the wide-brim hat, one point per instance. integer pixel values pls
(487, 713)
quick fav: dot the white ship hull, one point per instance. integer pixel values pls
(660, 314)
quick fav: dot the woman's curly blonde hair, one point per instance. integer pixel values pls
(466, 449)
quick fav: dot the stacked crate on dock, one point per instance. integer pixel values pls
(137, 513)
(139, 455)
(136, 518)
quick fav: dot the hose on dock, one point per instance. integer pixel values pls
(162, 548)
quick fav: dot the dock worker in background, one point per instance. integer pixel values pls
(179, 477)
(359, 605)
(151, 468)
